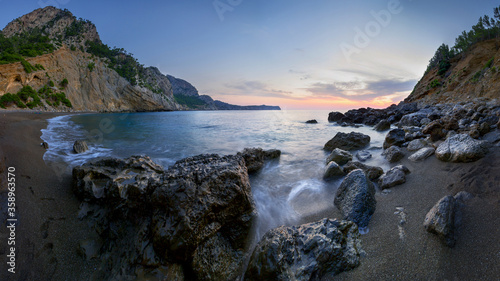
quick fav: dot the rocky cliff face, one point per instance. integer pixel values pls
(474, 74)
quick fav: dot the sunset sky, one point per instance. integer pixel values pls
(297, 54)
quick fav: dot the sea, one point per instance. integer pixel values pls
(287, 191)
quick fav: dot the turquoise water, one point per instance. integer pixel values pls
(285, 192)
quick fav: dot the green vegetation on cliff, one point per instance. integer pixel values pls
(189, 101)
(27, 44)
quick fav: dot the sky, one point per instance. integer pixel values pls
(298, 54)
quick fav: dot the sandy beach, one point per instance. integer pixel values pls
(48, 230)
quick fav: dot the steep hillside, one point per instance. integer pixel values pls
(473, 74)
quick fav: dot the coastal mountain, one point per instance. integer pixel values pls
(52, 61)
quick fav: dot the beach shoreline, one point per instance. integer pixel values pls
(49, 231)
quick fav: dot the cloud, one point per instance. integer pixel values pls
(258, 88)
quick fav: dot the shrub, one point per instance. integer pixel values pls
(51, 83)
(27, 66)
(91, 66)
(435, 83)
(64, 83)
(489, 63)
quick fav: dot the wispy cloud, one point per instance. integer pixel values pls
(258, 88)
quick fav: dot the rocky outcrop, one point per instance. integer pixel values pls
(306, 252)
(255, 157)
(350, 141)
(339, 156)
(194, 217)
(461, 148)
(355, 198)
(312, 121)
(395, 176)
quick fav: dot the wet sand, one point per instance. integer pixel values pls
(48, 231)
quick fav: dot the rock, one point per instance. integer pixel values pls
(417, 144)
(335, 116)
(80, 146)
(355, 198)
(313, 121)
(306, 252)
(484, 128)
(421, 154)
(394, 137)
(371, 172)
(463, 196)
(435, 129)
(440, 220)
(492, 137)
(340, 156)
(461, 148)
(382, 126)
(89, 248)
(395, 176)
(255, 157)
(45, 145)
(363, 155)
(393, 154)
(412, 119)
(332, 170)
(351, 141)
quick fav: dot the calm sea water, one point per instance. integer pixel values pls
(285, 192)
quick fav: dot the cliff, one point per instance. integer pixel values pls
(472, 74)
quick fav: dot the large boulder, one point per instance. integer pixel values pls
(435, 130)
(383, 125)
(306, 252)
(393, 154)
(394, 137)
(335, 116)
(255, 157)
(333, 170)
(422, 154)
(395, 176)
(80, 146)
(412, 119)
(339, 156)
(355, 198)
(350, 141)
(371, 172)
(440, 220)
(461, 148)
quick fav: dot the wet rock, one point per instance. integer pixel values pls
(417, 144)
(440, 220)
(313, 121)
(394, 137)
(393, 154)
(340, 156)
(350, 141)
(382, 126)
(422, 154)
(435, 130)
(355, 198)
(395, 176)
(363, 155)
(371, 172)
(461, 148)
(44, 145)
(80, 146)
(255, 158)
(306, 252)
(332, 170)
(335, 116)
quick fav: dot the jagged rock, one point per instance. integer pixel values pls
(313, 121)
(435, 129)
(80, 146)
(332, 170)
(393, 154)
(335, 116)
(395, 176)
(351, 141)
(440, 220)
(363, 155)
(45, 145)
(412, 119)
(394, 137)
(382, 126)
(461, 148)
(417, 144)
(421, 154)
(339, 156)
(371, 172)
(255, 157)
(355, 198)
(306, 252)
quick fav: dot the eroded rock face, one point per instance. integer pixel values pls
(355, 198)
(306, 252)
(255, 157)
(196, 214)
(440, 220)
(350, 141)
(461, 148)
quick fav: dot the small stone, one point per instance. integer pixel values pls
(80, 146)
